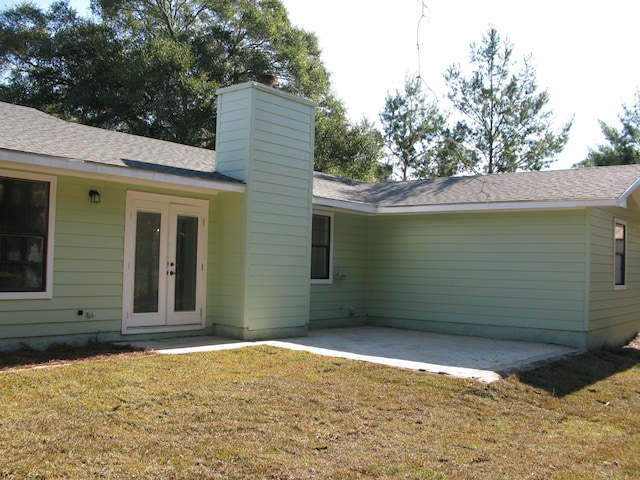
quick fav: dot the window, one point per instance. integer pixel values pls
(321, 247)
(620, 250)
(25, 235)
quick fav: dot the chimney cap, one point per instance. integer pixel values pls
(266, 79)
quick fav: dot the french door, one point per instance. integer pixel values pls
(165, 263)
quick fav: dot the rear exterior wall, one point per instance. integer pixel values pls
(343, 302)
(613, 311)
(502, 275)
(88, 270)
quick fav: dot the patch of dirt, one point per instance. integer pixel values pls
(635, 343)
(66, 354)
(631, 349)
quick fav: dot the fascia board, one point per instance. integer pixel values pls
(79, 168)
(496, 207)
(464, 208)
(344, 205)
(622, 199)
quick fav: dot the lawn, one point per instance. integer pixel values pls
(271, 413)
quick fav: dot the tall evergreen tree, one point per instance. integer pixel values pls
(414, 133)
(623, 145)
(504, 126)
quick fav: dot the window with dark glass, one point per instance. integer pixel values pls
(320, 247)
(24, 215)
(620, 254)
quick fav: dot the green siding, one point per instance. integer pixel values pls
(279, 211)
(228, 274)
(273, 233)
(344, 301)
(232, 147)
(502, 274)
(259, 247)
(613, 313)
(87, 270)
(516, 275)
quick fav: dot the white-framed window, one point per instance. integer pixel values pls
(321, 247)
(620, 254)
(27, 219)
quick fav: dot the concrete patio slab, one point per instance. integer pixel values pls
(482, 359)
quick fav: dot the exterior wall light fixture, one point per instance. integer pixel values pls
(94, 195)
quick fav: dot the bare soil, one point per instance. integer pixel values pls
(66, 354)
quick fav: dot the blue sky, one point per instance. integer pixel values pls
(585, 53)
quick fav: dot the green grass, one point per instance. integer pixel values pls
(270, 413)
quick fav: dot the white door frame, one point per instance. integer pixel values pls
(165, 319)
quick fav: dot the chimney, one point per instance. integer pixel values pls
(265, 137)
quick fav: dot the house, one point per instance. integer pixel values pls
(107, 236)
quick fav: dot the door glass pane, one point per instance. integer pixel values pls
(186, 264)
(147, 263)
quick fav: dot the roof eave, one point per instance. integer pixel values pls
(468, 207)
(498, 206)
(343, 205)
(622, 199)
(113, 173)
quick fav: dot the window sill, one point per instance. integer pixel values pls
(26, 296)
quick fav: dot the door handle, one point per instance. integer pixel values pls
(171, 272)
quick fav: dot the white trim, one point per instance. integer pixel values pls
(496, 207)
(325, 213)
(100, 171)
(619, 221)
(164, 329)
(587, 269)
(266, 89)
(157, 197)
(51, 233)
(622, 200)
(344, 205)
(465, 207)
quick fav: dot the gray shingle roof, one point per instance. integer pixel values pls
(576, 185)
(339, 188)
(26, 129)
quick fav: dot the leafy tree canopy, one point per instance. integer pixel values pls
(504, 125)
(152, 67)
(623, 145)
(344, 149)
